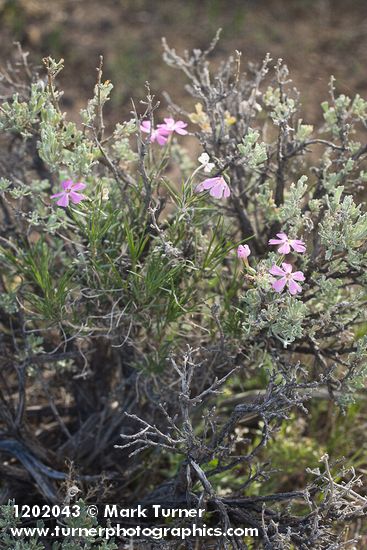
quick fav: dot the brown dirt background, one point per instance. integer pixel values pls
(316, 38)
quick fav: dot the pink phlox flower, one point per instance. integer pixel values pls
(243, 251)
(218, 187)
(171, 125)
(69, 193)
(287, 243)
(160, 135)
(286, 278)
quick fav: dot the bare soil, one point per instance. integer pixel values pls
(316, 38)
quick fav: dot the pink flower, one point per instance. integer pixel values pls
(243, 251)
(170, 126)
(287, 244)
(69, 193)
(218, 187)
(159, 135)
(286, 278)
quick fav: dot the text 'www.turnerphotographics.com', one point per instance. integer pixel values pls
(137, 526)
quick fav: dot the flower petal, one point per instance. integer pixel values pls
(298, 276)
(294, 287)
(145, 126)
(276, 270)
(78, 186)
(298, 246)
(287, 267)
(199, 188)
(76, 197)
(64, 200)
(164, 130)
(217, 190)
(204, 158)
(209, 183)
(284, 249)
(226, 191)
(160, 137)
(181, 131)
(275, 241)
(279, 284)
(243, 251)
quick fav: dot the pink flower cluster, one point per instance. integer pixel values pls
(285, 273)
(286, 276)
(161, 133)
(217, 188)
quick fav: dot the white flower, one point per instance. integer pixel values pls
(204, 161)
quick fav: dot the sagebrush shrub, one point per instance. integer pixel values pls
(144, 293)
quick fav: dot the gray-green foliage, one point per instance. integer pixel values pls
(253, 153)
